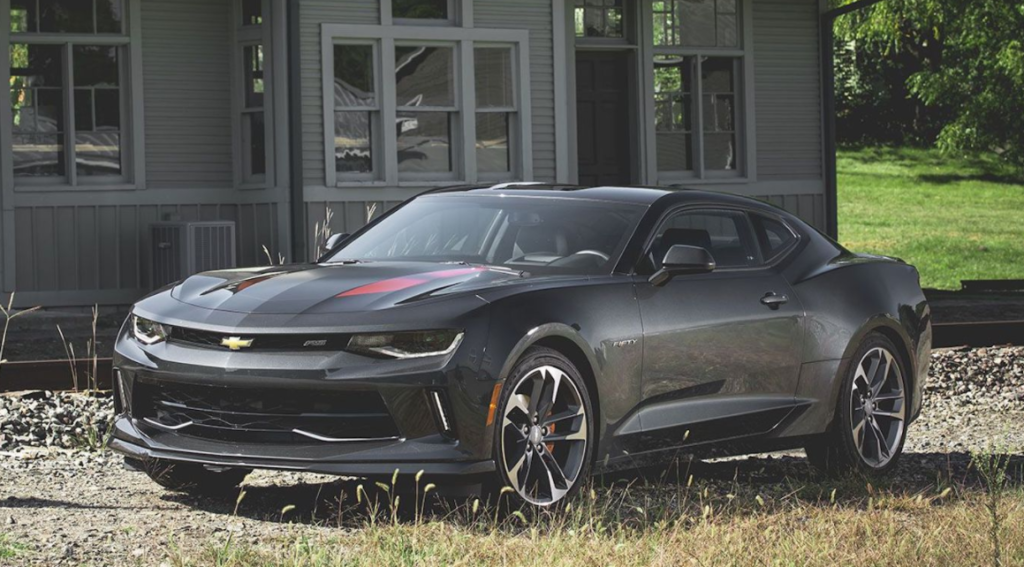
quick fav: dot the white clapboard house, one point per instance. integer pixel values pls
(267, 113)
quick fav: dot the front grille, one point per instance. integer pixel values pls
(260, 342)
(262, 415)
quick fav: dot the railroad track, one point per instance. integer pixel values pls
(57, 375)
(54, 375)
(978, 334)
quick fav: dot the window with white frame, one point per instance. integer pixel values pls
(68, 73)
(697, 70)
(252, 96)
(453, 98)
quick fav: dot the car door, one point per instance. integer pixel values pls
(721, 350)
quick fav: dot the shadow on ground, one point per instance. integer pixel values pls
(786, 477)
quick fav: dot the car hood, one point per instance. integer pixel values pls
(334, 288)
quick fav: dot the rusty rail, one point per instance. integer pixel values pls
(53, 375)
(978, 334)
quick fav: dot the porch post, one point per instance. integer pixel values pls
(297, 200)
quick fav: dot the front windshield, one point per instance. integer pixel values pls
(540, 235)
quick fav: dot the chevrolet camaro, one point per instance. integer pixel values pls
(528, 336)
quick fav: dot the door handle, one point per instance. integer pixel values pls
(773, 300)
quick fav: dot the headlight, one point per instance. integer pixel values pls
(148, 332)
(419, 344)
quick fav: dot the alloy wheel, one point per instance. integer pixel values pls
(544, 436)
(878, 407)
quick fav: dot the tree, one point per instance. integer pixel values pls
(969, 59)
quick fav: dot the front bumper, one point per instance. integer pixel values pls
(133, 443)
(414, 439)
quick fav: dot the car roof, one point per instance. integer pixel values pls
(638, 195)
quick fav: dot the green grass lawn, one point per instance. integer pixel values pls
(955, 219)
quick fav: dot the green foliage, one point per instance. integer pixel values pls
(961, 56)
(873, 102)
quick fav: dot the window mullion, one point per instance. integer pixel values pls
(269, 130)
(389, 113)
(468, 87)
(698, 120)
(70, 157)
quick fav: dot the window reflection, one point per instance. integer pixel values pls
(599, 18)
(97, 110)
(37, 104)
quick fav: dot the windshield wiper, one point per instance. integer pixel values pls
(344, 262)
(502, 269)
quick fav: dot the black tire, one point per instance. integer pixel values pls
(837, 452)
(195, 478)
(535, 362)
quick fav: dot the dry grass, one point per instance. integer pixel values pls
(690, 523)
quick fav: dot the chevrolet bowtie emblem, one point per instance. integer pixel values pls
(236, 343)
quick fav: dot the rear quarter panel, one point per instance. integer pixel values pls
(846, 297)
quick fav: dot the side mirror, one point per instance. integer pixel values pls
(335, 240)
(683, 260)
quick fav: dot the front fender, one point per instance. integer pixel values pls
(596, 321)
(546, 331)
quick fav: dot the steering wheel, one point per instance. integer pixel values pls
(597, 253)
(577, 255)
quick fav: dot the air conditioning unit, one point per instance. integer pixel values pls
(181, 249)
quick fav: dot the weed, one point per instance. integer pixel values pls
(9, 315)
(10, 548)
(992, 466)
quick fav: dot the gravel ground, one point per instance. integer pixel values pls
(68, 505)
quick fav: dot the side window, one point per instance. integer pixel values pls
(774, 236)
(726, 234)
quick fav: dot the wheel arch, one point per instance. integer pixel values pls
(565, 340)
(889, 327)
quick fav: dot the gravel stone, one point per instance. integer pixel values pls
(47, 419)
(71, 504)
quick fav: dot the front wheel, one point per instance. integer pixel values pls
(870, 424)
(544, 439)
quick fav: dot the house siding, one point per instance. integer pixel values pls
(788, 90)
(92, 244)
(536, 17)
(187, 93)
(88, 245)
(313, 13)
(93, 248)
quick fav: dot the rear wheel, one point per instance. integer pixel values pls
(192, 477)
(543, 440)
(870, 424)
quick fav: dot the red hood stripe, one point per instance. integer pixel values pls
(406, 282)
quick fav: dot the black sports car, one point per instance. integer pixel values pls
(528, 335)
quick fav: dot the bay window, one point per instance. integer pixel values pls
(408, 105)
(68, 103)
(697, 70)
